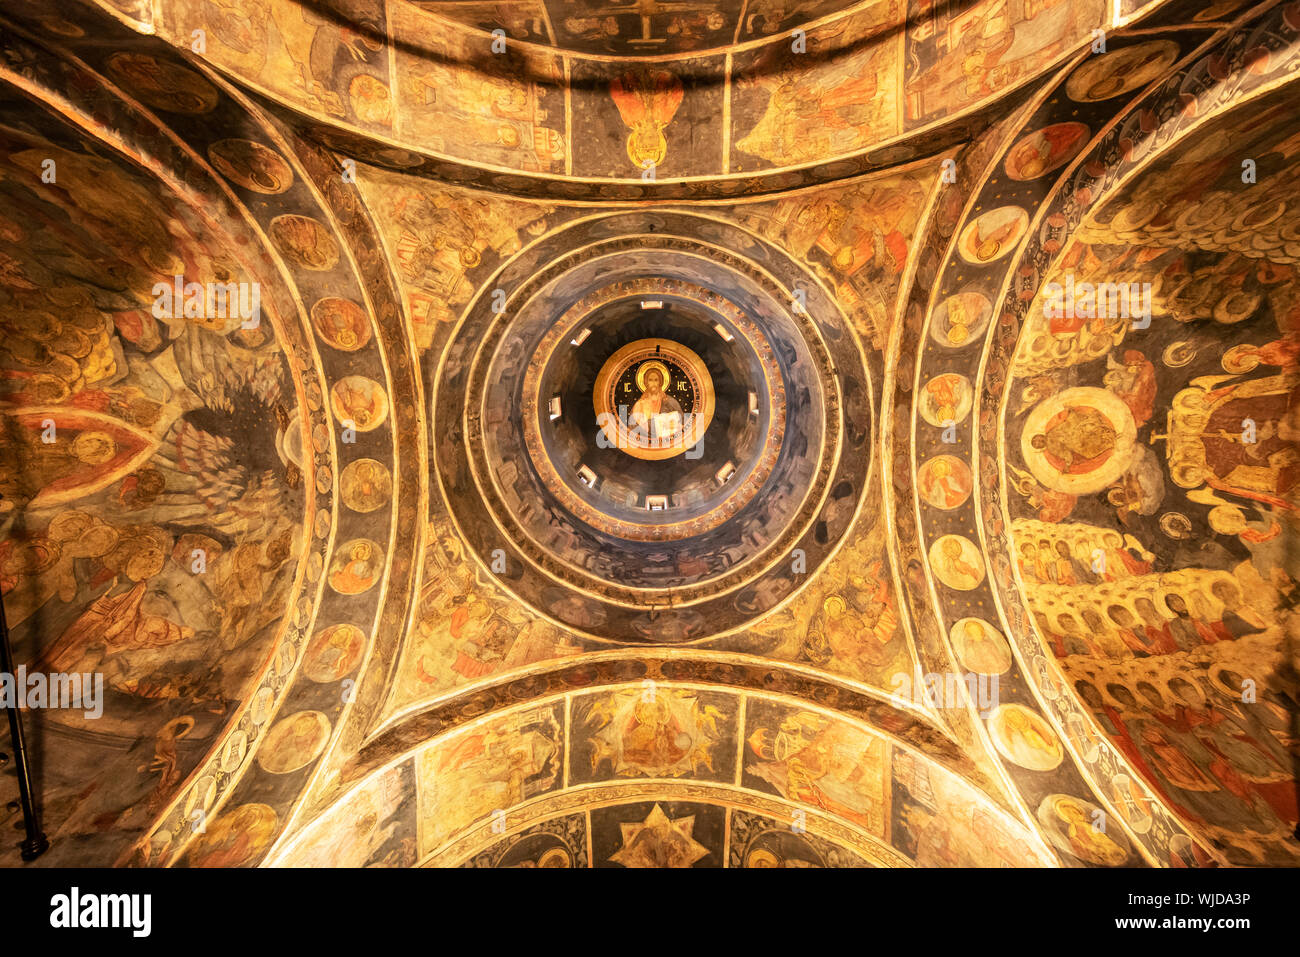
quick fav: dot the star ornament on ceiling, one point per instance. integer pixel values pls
(659, 842)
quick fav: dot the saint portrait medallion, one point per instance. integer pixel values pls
(1079, 441)
(654, 399)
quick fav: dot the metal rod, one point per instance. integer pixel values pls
(36, 843)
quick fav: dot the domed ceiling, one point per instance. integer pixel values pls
(806, 433)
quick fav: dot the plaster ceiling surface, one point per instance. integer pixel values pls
(953, 568)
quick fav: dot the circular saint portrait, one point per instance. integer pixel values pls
(654, 399)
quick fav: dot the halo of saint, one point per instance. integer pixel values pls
(1074, 825)
(1120, 71)
(1024, 738)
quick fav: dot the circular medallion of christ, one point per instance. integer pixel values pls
(653, 399)
(1079, 440)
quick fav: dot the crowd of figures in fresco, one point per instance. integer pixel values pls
(1157, 475)
(150, 474)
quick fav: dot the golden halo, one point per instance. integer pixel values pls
(94, 448)
(646, 366)
(555, 857)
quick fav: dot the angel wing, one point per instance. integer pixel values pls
(219, 372)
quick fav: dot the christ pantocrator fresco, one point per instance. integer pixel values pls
(654, 399)
(655, 414)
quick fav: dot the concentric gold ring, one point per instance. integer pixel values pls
(744, 491)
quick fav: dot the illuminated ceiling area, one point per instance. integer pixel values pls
(640, 434)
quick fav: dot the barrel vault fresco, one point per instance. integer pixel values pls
(403, 552)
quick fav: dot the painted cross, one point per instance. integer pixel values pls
(646, 9)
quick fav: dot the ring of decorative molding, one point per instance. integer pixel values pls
(751, 482)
